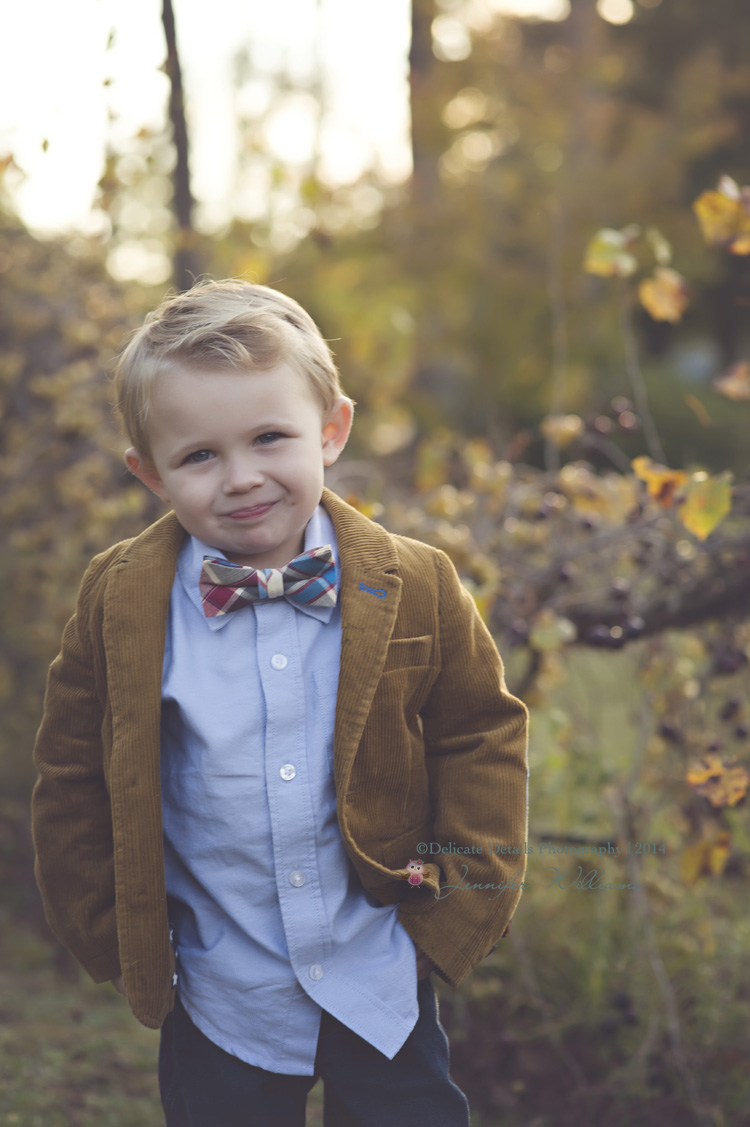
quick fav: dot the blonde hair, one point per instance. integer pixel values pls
(228, 324)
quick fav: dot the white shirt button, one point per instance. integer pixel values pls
(288, 771)
(297, 878)
(278, 661)
(316, 972)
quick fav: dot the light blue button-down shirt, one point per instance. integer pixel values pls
(270, 921)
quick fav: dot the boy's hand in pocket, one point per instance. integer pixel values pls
(425, 964)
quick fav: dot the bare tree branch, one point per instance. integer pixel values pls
(583, 579)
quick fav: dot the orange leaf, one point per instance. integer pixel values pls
(665, 296)
(736, 383)
(710, 766)
(740, 245)
(721, 783)
(662, 483)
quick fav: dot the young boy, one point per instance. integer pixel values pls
(239, 766)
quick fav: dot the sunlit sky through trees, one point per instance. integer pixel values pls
(65, 95)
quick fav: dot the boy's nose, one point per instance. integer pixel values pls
(241, 474)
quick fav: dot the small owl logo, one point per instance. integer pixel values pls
(416, 869)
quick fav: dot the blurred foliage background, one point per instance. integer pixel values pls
(545, 331)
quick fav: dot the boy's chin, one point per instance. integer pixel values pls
(263, 556)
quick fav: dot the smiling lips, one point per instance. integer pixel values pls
(250, 512)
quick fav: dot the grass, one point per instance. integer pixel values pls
(71, 1053)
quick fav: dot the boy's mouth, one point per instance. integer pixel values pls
(251, 511)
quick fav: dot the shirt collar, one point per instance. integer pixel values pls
(318, 531)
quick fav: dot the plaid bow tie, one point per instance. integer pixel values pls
(309, 579)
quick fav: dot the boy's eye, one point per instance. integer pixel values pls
(198, 456)
(269, 437)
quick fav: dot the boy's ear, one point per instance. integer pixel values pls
(336, 428)
(143, 469)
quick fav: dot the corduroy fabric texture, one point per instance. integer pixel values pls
(429, 746)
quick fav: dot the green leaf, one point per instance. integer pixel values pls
(707, 501)
(608, 256)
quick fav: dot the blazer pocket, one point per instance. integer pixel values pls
(395, 854)
(405, 652)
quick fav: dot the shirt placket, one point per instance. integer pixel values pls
(289, 789)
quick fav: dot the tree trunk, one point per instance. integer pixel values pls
(185, 265)
(423, 245)
(426, 127)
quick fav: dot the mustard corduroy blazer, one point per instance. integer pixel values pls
(429, 747)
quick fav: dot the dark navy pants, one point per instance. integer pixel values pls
(203, 1086)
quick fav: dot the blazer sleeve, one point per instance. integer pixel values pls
(476, 740)
(71, 818)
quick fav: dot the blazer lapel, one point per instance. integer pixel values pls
(370, 593)
(135, 621)
(134, 629)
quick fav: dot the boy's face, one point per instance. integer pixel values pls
(240, 456)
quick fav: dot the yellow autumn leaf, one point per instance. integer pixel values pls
(736, 383)
(710, 767)
(710, 855)
(719, 851)
(718, 215)
(562, 429)
(724, 216)
(609, 497)
(371, 509)
(665, 296)
(662, 483)
(693, 861)
(608, 255)
(707, 501)
(721, 783)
